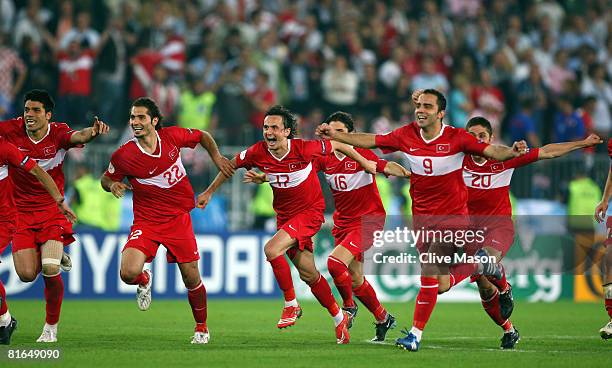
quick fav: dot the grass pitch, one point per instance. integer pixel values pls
(244, 333)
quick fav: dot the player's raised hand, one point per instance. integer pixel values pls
(67, 211)
(592, 140)
(519, 148)
(99, 127)
(203, 199)
(118, 189)
(600, 211)
(253, 176)
(325, 131)
(416, 94)
(225, 165)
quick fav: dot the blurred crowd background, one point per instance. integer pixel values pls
(539, 70)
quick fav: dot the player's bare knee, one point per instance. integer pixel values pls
(270, 250)
(357, 279)
(443, 286)
(27, 275)
(50, 269)
(129, 275)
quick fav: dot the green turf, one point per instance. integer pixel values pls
(115, 333)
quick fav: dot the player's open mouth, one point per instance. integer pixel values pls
(421, 117)
(30, 122)
(137, 129)
(271, 141)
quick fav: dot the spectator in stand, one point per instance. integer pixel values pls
(429, 78)
(459, 102)
(568, 126)
(11, 65)
(595, 84)
(340, 86)
(82, 32)
(523, 126)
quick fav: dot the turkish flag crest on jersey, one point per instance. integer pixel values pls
(443, 148)
(297, 166)
(49, 150)
(173, 153)
(497, 167)
(350, 165)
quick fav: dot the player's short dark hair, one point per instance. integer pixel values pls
(440, 97)
(42, 96)
(343, 117)
(289, 120)
(152, 109)
(479, 121)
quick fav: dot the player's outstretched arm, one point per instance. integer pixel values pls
(223, 163)
(204, 197)
(47, 182)
(88, 134)
(369, 166)
(395, 169)
(502, 153)
(255, 177)
(116, 187)
(602, 207)
(363, 140)
(554, 150)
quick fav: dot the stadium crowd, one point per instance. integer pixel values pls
(538, 70)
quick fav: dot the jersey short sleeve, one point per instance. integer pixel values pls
(14, 157)
(64, 133)
(369, 155)
(185, 137)
(469, 144)
(114, 170)
(248, 157)
(311, 149)
(390, 142)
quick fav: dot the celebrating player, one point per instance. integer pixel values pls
(488, 183)
(42, 230)
(435, 152)
(359, 212)
(163, 198)
(600, 215)
(11, 157)
(298, 202)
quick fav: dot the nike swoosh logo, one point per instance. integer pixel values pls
(292, 228)
(23, 149)
(414, 149)
(152, 171)
(421, 303)
(351, 243)
(266, 168)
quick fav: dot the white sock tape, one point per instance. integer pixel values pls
(52, 261)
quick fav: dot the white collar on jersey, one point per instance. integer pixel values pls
(476, 163)
(40, 140)
(434, 138)
(285, 155)
(147, 153)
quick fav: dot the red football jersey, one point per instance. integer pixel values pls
(489, 183)
(10, 156)
(610, 149)
(354, 189)
(436, 183)
(293, 178)
(161, 189)
(49, 153)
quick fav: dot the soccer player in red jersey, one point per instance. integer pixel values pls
(359, 213)
(11, 157)
(163, 198)
(42, 230)
(299, 205)
(488, 184)
(435, 152)
(600, 215)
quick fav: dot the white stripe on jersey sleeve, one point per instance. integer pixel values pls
(3, 172)
(480, 180)
(291, 179)
(54, 162)
(435, 166)
(348, 182)
(169, 178)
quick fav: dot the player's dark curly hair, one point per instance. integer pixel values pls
(152, 109)
(343, 117)
(289, 120)
(479, 121)
(42, 96)
(440, 97)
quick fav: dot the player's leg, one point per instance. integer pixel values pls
(337, 265)
(606, 331)
(8, 323)
(275, 250)
(196, 294)
(490, 298)
(50, 257)
(132, 273)
(366, 294)
(305, 264)
(27, 264)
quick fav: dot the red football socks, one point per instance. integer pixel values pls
(492, 307)
(425, 301)
(3, 305)
(342, 280)
(54, 294)
(197, 301)
(321, 290)
(366, 294)
(282, 273)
